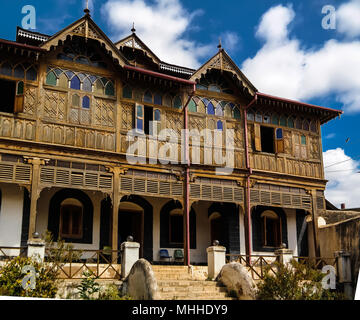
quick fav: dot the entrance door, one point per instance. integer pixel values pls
(217, 228)
(131, 223)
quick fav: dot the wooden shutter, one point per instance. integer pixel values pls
(279, 140)
(257, 137)
(19, 97)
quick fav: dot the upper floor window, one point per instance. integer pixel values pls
(81, 52)
(267, 139)
(12, 96)
(25, 70)
(80, 81)
(147, 119)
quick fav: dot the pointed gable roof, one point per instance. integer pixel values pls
(222, 61)
(133, 41)
(87, 28)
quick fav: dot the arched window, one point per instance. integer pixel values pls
(201, 107)
(158, 99)
(86, 102)
(237, 114)
(258, 117)
(63, 81)
(192, 106)
(271, 229)
(290, 122)
(275, 119)
(127, 92)
(177, 102)
(219, 111)
(71, 216)
(228, 111)
(306, 125)
(87, 86)
(298, 123)
(250, 116)
(220, 125)
(51, 79)
(313, 126)
(31, 74)
(75, 83)
(210, 109)
(19, 72)
(148, 97)
(109, 89)
(283, 121)
(266, 118)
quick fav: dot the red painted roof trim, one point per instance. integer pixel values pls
(264, 95)
(22, 45)
(160, 75)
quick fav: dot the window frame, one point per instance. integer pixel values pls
(71, 235)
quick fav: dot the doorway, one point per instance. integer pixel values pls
(131, 223)
(217, 230)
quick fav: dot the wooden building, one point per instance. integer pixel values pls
(68, 102)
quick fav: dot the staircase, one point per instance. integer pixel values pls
(183, 283)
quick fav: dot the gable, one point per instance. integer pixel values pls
(86, 28)
(134, 42)
(222, 61)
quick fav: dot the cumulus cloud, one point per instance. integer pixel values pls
(344, 179)
(347, 16)
(284, 67)
(161, 24)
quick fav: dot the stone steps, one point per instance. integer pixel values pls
(183, 283)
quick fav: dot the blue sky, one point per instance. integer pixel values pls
(315, 65)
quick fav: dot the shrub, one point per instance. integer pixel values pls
(88, 287)
(112, 293)
(11, 278)
(295, 282)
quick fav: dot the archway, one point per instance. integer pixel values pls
(136, 219)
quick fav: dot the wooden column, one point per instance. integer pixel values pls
(35, 192)
(116, 197)
(314, 213)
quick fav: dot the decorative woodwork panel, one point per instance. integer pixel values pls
(90, 180)
(15, 173)
(17, 128)
(104, 113)
(127, 117)
(30, 102)
(55, 105)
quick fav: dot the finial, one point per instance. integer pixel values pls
(219, 45)
(133, 30)
(86, 10)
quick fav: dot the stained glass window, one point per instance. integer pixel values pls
(20, 88)
(158, 99)
(303, 139)
(237, 114)
(75, 83)
(220, 125)
(86, 102)
(51, 79)
(63, 81)
(177, 102)
(87, 85)
(250, 116)
(127, 92)
(192, 106)
(148, 97)
(109, 89)
(228, 111)
(75, 100)
(19, 72)
(219, 111)
(210, 109)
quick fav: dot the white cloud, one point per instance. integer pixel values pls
(284, 67)
(348, 18)
(344, 179)
(161, 24)
(330, 136)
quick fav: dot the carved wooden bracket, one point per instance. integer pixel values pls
(35, 161)
(119, 170)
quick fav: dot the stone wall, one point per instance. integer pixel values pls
(343, 235)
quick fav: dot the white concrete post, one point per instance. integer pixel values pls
(216, 260)
(36, 249)
(129, 255)
(284, 256)
(344, 272)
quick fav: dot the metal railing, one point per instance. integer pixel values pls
(8, 253)
(258, 265)
(103, 264)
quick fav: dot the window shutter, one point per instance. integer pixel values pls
(279, 138)
(257, 137)
(19, 97)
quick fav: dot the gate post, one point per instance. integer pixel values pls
(129, 255)
(344, 272)
(36, 248)
(284, 256)
(216, 260)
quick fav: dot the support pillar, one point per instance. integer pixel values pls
(116, 197)
(35, 192)
(284, 256)
(314, 213)
(36, 249)
(344, 272)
